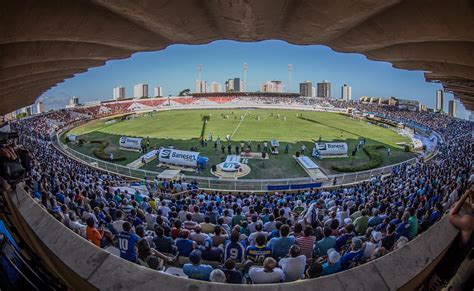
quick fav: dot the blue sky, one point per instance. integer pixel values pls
(175, 69)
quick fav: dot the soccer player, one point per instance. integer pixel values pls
(234, 249)
(127, 243)
(260, 251)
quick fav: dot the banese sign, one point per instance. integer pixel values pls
(331, 148)
(131, 143)
(177, 157)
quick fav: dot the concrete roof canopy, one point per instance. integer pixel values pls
(42, 43)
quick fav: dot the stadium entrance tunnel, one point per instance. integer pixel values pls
(45, 42)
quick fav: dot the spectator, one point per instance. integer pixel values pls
(233, 276)
(306, 242)
(294, 265)
(259, 252)
(127, 242)
(328, 242)
(184, 245)
(281, 245)
(217, 276)
(210, 253)
(234, 249)
(163, 243)
(195, 270)
(333, 263)
(267, 274)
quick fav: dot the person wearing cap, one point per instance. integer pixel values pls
(196, 270)
(333, 263)
(370, 246)
(210, 253)
(294, 264)
(354, 254)
(267, 274)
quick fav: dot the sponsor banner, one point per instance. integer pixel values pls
(293, 186)
(130, 142)
(233, 159)
(331, 148)
(307, 162)
(178, 157)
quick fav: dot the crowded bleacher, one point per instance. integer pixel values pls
(174, 227)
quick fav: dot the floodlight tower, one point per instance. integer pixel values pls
(245, 66)
(290, 69)
(199, 71)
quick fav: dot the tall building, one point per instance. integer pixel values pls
(324, 89)
(346, 92)
(28, 110)
(74, 101)
(119, 92)
(140, 90)
(39, 107)
(306, 89)
(237, 85)
(272, 86)
(234, 85)
(158, 91)
(216, 87)
(313, 91)
(201, 86)
(439, 101)
(452, 108)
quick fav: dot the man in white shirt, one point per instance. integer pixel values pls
(258, 229)
(294, 266)
(269, 273)
(370, 246)
(150, 218)
(118, 224)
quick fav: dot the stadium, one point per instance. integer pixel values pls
(233, 191)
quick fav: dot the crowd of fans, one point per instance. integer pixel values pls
(246, 237)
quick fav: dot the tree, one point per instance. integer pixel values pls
(185, 92)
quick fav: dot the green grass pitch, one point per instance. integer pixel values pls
(182, 129)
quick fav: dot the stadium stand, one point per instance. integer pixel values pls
(250, 238)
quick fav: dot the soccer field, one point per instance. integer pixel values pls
(184, 128)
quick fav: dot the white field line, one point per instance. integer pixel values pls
(238, 125)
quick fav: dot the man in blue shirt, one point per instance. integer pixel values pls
(196, 270)
(127, 243)
(332, 265)
(234, 249)
(328, 242)
(353, 255)
(281, 245)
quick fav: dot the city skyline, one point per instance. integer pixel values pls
(175, 69)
